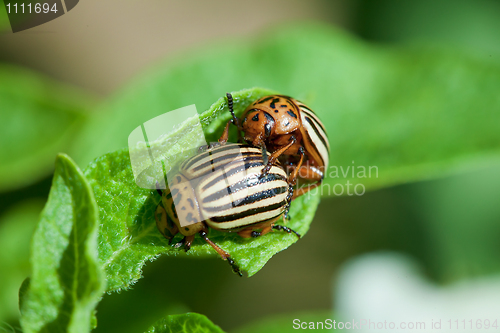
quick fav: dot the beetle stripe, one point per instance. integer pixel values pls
(207, 153)
(317, 122)
(264, 99)
(249, 199)
(311, 114)
(245, 183)
(314, 140)
(218, 150)
(316, 130)
(238, 168)
(248, 210)
(249, 213)
(245, 224)
(252, 175)
(316, 144)
(214, 162)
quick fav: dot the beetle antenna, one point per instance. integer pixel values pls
(230, 106)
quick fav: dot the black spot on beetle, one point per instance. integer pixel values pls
(191, 202)
(179, 179)
(276, 111)
(287, 124)
(283, 105)
(190, 218)
(276, 100)
(174, 192)
(291, 113)
(264, 99)
(186, 228)
(256, 117)
(183, 208)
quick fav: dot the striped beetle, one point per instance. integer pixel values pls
(223, 188)
(286, 126)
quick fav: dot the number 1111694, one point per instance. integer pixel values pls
(30, 8)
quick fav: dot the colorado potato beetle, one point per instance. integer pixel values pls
(223, 188)
(286, 127)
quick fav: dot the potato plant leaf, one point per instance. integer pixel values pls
(40, 118)
(66, 281)
(129, 236)
(185, 323)
(16, 230)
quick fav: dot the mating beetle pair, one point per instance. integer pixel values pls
(243, 188)
(288, 128)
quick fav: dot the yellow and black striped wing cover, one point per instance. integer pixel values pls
(231, 191)
(315, 137)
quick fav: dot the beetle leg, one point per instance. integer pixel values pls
(249, 232)
(281, 227)
(288, 201)
(264, 155)
(178, 245)
(292, 179)
(221, 252)
(225, 134)
(304, 190)
(188, 240)
(276, 154)
(311, 173)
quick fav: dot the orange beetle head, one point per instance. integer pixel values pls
(257, 125)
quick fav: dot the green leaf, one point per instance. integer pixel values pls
(4, 19)
(185, 323)
(16, 229)
(397, 21)
(413, 113)
(128, 235)
(40, 118)
(66, 281)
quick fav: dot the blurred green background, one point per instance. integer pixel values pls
(66, 69)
